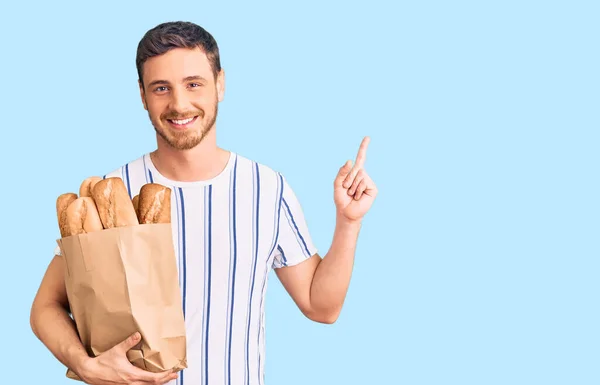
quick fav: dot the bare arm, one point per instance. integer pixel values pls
(51, 323)
(319, 286)
(50, 319)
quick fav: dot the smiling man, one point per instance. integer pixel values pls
(233, 221)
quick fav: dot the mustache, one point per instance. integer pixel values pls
(172, 115)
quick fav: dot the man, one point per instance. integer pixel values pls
(233, 220)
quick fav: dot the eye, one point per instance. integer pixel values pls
(160, 89)
(194, 85)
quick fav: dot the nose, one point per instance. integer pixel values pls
(178, 102)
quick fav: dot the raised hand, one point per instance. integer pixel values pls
(353, 189)
(112, 367)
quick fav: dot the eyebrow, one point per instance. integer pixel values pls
(186, 79)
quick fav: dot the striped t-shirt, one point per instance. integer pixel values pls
(228, 233)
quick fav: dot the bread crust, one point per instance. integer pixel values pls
(136, 206)
(62, 202)
(82, 216)
(85, 190)
(154, 204)
(114, 205)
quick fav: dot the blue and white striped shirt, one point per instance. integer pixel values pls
(228, 233)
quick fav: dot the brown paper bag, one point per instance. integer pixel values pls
(123, 280)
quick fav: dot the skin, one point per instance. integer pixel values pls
(178, 85)
(168, 92)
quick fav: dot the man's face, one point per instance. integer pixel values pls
(181, 96)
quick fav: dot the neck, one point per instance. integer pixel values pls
(203, 162)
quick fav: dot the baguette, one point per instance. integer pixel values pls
(114, 205)
(82, 216)
(85, 190)
(154, 204)
(62, 202)
(136, 205)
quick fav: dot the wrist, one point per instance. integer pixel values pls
(347, 222)
(80, 362)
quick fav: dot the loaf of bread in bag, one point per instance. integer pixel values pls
(154, 204)
(136, 205)
(62, 202)
(85, 190)
(82, 216)
(113, 202)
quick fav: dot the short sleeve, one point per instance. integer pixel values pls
(294, 244)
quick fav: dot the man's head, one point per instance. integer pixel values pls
(180, 78)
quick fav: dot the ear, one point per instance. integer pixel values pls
(143, 95)
(221, 85)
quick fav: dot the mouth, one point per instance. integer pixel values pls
(182, 123)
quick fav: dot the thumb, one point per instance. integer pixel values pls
(344, 171)
(130, 342)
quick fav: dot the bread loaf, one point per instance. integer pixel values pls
(113, 202)
(62, 202)
(136, 205)
(82, 216)
(154, 204)
(85, 190)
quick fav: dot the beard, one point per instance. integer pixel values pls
(191, 137)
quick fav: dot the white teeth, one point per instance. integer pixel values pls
(186, 121)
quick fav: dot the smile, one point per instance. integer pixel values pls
(182, 123)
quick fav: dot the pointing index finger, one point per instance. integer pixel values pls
(358, 164)
(362, 152)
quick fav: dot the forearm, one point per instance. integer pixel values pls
(332, 276)
(52, 324)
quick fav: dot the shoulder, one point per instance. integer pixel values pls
(254, 174)
(135, 165)
(134, 173)
(258, 169)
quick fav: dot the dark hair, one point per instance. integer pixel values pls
(177, 34)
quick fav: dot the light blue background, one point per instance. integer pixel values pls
(478, 263)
